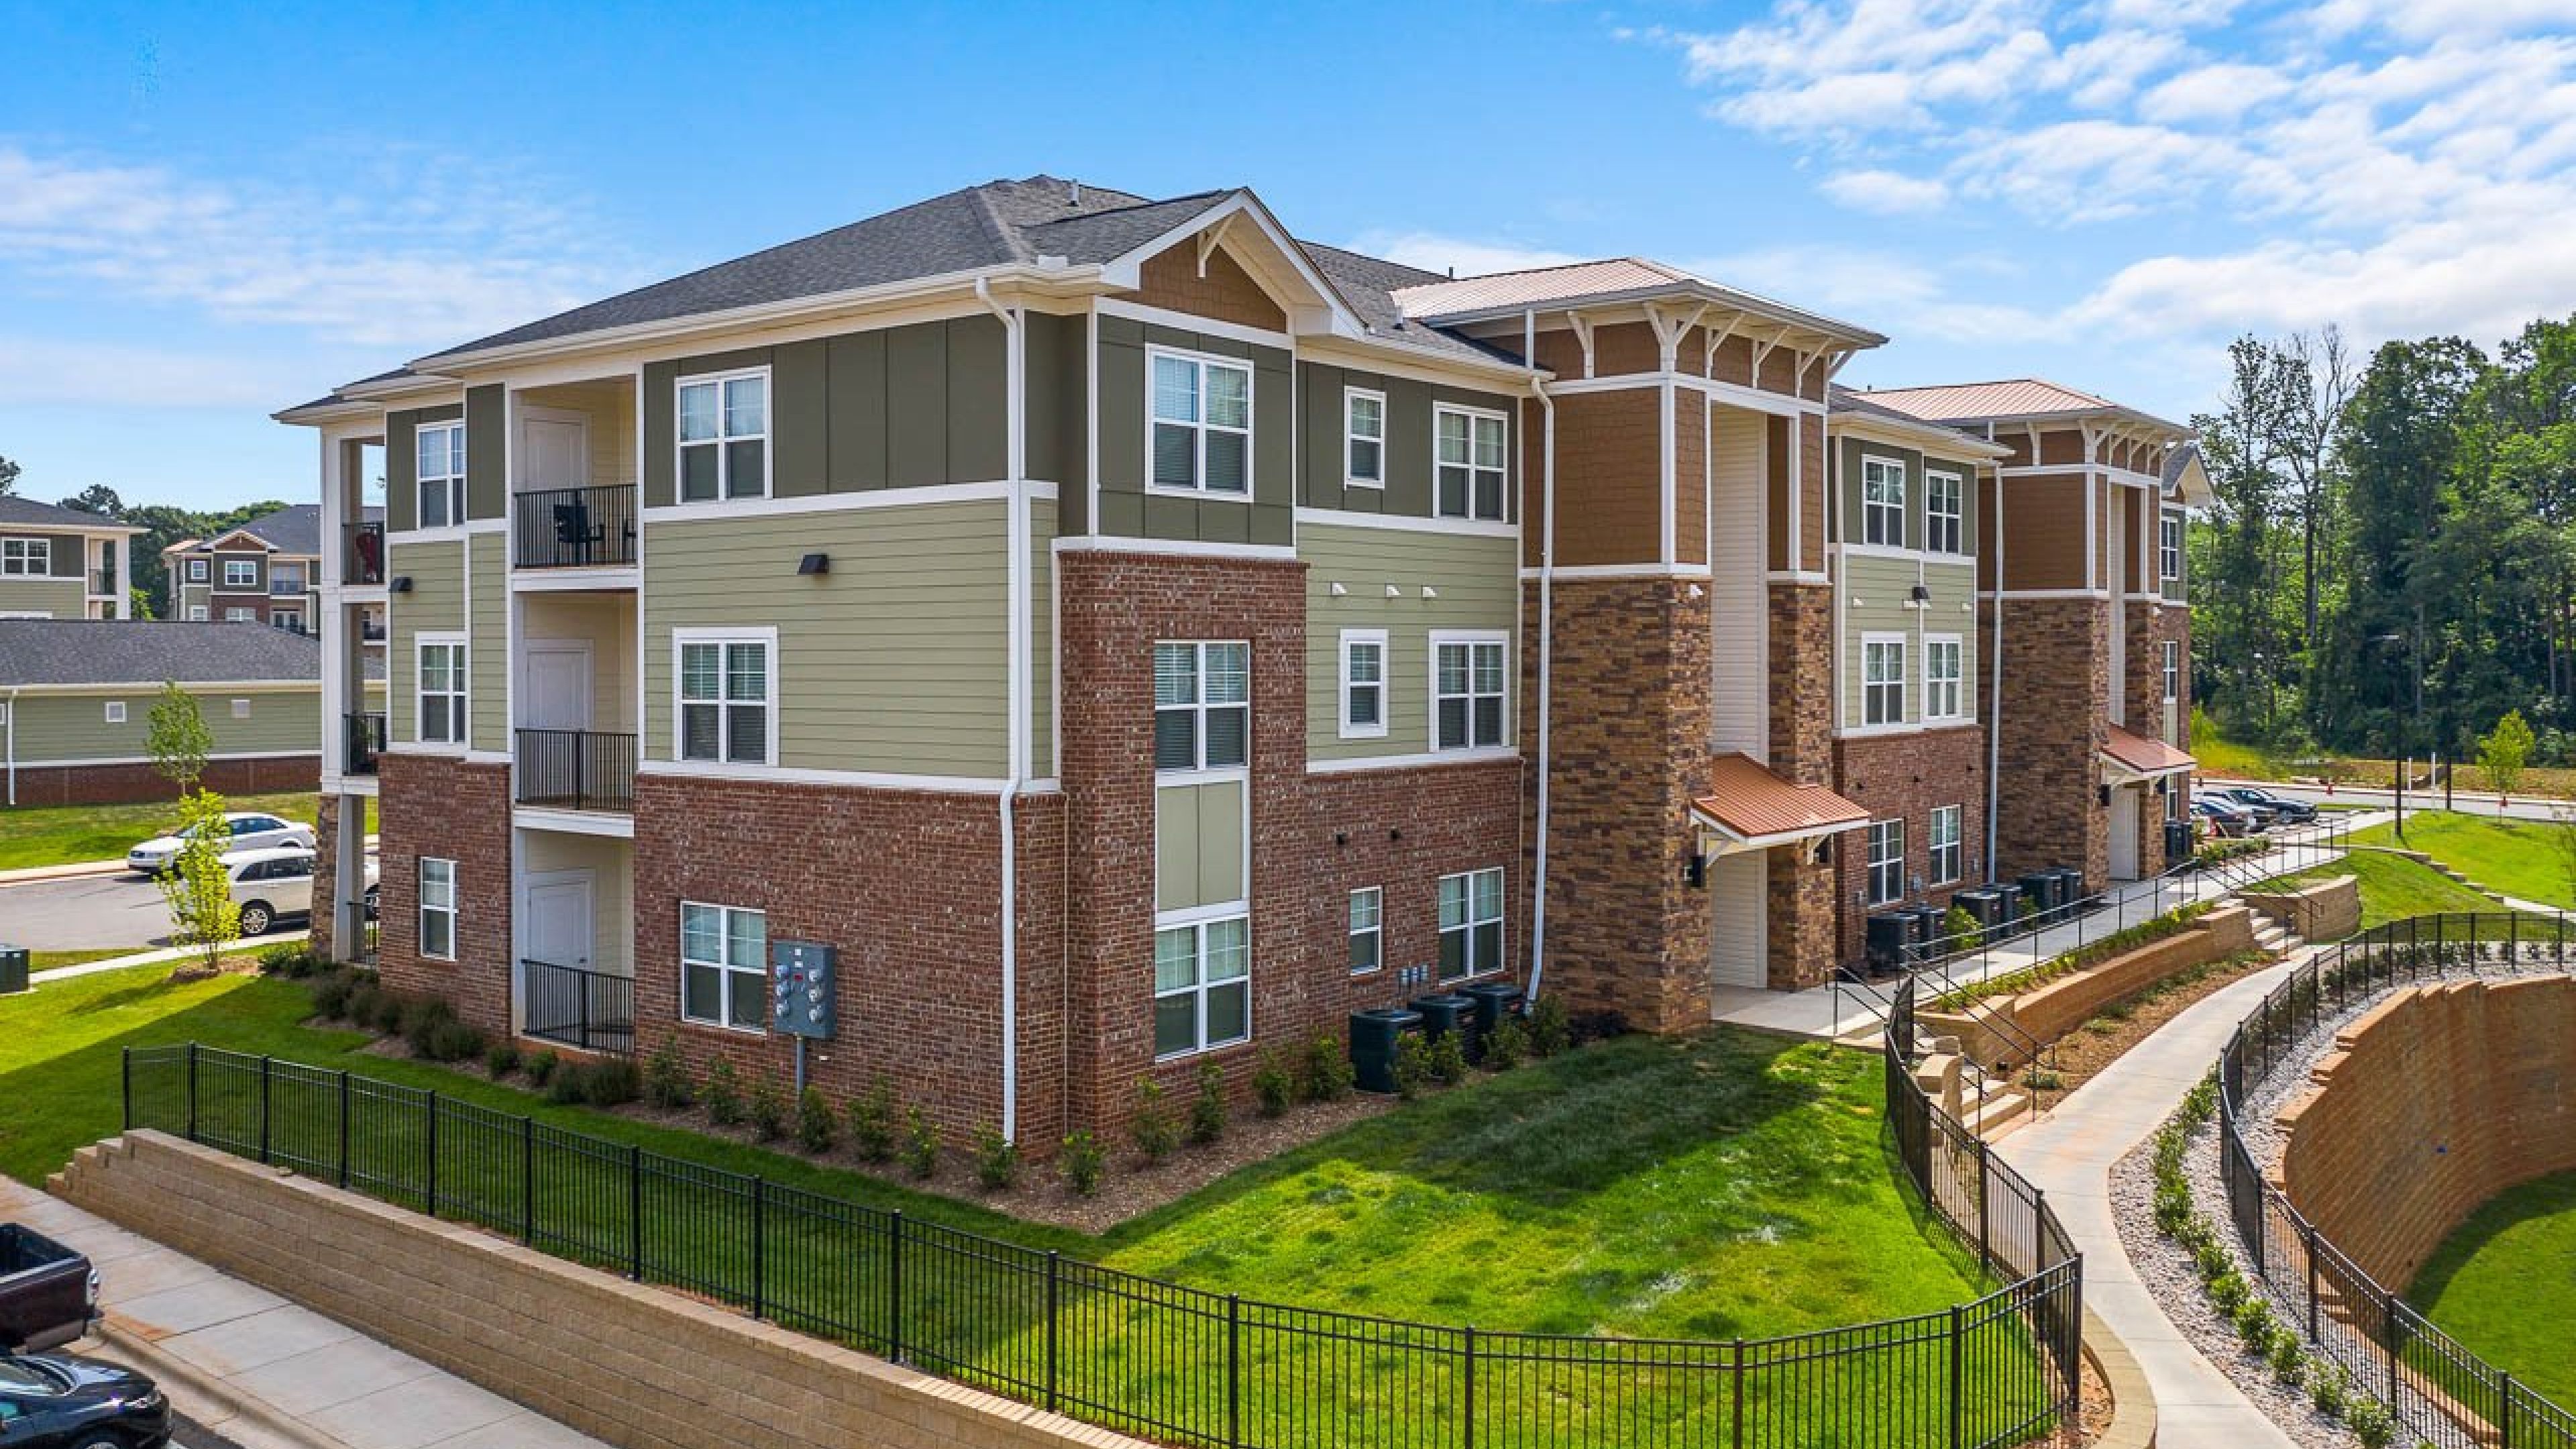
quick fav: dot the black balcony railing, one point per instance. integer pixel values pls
(571, 528)
(371, 631)
(577, 770)
(591, 1010)
(365, 734)
(365, 563)
(102, 583)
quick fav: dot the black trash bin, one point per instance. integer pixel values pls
(1375, 1034)
(2177, 841)
(13, 970)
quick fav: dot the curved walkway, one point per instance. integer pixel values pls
(2069, 1155)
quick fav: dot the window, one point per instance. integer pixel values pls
(727, 700)
(1363, 684)
(241, 573)
(2169, 547)
(724, 437)
(1470, 463)
(290, 620)
(26, 557)
(196, 613)
(1202, 706)
(1471, 923)
(1941, 682)
(724, 966)
(115, 712)
(1944, 500)
(1941, 847)
(1886, 862)
(1364, 424)
(2173, 670)
(440, 449)
(241, 614)
(1368, 929)
(241, 709)
(1201, 416)
(1202, 985)
(437, 908)
(1882, 502)
(196, 571)
(441, 673)
(1882, 679)
(1467, 694)
(285, 579)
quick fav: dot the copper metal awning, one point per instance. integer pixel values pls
(1753, 808)
(2128, 757)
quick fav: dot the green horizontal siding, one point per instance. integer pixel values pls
(436, 603)
(56, 598)
(487, 654)
(74, 727)
(1882, 587)
(1042, 526)
(1477, 580)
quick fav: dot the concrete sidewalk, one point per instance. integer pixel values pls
(261, 1370)
(2069, 1156)
(163, 955)
(75, 870)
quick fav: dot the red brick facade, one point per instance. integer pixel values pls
(429, 805)
(1906, 777)
(138, 783)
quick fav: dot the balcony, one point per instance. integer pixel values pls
(576, 770)
(364, 562)
(573, 528)
(365, 738)
(286, 586)
(102, 583)
(591, 1011)
(371, 631)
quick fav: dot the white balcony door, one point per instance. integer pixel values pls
(554, 449)
(555, 687)
(557, 908)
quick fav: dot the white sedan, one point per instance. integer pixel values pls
(275, 882)
(245, 830)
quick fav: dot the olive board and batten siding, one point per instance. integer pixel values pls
(435, 604)
(487, 657)
(402, 462)
(53, 728)
(1918, 468)
(1877, 599)
(1474, 586)
(1410, 443)
(1128, 509)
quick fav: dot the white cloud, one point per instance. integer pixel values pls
(1468, 256)
(1887, 193)
(2212, 93)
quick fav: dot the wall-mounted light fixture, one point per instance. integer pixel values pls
(399, 584)
(1429, 592)
(1393, 592)
(1922, 596)
(1338, 590)
(2106, 797)
(814, 564)
(1695, 871)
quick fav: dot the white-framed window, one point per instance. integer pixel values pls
(437, 908)
(1363, 684)
(26, 557)
(438, 717)
(1944, 512)
(1202, 706)
(1368, 929)
(114, 713)
(1471, 923)
(2173, 670)
(1944, 692)
(1469, 449)
(1886, 862)
(290, 620)
(1941, 843)
(1469, 683)
(724, 686)
(724, 435)
(196, 613)
(196, 571)
(241, 709)
(1199, 424)
(1882, 679)
(240, 614)
(1202, 985)
(286, 578)
(2169, 546)
(724, 966)
(1882, 502)
(439, 453)
(1364, 435)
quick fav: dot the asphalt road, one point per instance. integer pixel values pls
(2462, 801)
(189, 1434)
(86, 913)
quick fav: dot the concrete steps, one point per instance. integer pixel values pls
(1993, 1107)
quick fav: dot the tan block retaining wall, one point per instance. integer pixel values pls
(2433, 1101)
(640, 1367)
(2326, 911)
(2050, 1011)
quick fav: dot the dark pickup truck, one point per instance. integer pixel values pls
(48, 1293)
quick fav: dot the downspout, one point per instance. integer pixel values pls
(1546, 641)
(13, 744)
(1016, 569)
(1995, 681)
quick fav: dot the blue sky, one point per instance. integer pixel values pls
(209, 212)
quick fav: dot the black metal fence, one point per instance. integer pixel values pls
(557, 528)
(574, 1007)
(576, 770)
(2440, 1392)
(1136, 1354)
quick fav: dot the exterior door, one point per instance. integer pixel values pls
(555, 694)
(558, 918)
(2124, 831)
(554, 450)
(1739, 939)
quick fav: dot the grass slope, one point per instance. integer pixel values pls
(2393, 887)
(2504, 1284)
(2517, 857)
(68, 834)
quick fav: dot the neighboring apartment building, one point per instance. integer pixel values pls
(267, 570)
(61, 563)
(1130, 637)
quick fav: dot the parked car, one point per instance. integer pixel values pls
(58, 1401)
(244, 829)
(48, 1293)
(2226, 817)
(275, 883)
(2296, 812)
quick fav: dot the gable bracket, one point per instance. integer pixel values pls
(1582, 326)
(1716, 339)
(1210, 239)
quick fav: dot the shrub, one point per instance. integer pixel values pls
(1961, 927)
(391, 1012)
(920, 1144)
(1324, 1072)
(331, 995)
(501, 1059)
(542, 1068)
(872, 1122)
(2211, 1260)
(1151, 1128)
(723, 1094)
(1449, 1058)
(1550, 1032)
(289, 960)
(2041, 1079)
(1207, 1109)
(2289, 1361)
(612, 1082)
(2330, 1392)
(1412, 1064)
(997, 1160)
(1272, 1085)
(450, 1041)
(2173, 1208)
(566, 1085)
(1507, 1045)
(2255, 1325)
(1082, 1163)
(666, 1077)
(765, 1108)
(422, 1019)
(2371, 1422)
(816, 1122)
(2227, 1292)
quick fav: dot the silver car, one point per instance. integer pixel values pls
(244, 830)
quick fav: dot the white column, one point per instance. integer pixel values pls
(124, 576)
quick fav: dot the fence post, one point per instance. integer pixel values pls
(1985, 1252)
(192, 1091)
(2504, 1409)
(1958, 1376)
(1735, 1439)
(1234, 1370)
(1467, 1390)
(1055, 1267)
(125, 1085)
(528, 1181)
(894, 1290)
(635, 1213)
(429, 1173)
(759, 1247)
(2308, 1234)
(263, 1110)
(344, 1130)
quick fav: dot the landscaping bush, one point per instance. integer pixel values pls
(1151, 1128)
(1506, 1046)
(2289, 1361)
(920, 1144)
(1412, 1065)
(568, 1085)
(1272, 1085)
(1448, 1059)
(291, 961)
(1324, 1072)
(723, 1094)
(542, 1068)
(872, 1122)
(997, 1160)
(331, 995)
(450, 1041)
(612, 1082)
(2255, 1325)
(816, 1122)
(420, 1019)
(2228, 1292)
(2371, 1423)
(1550, 1031)
(1207, 1109)
(1082, 1163)
(765, 1108)
(2330, 1392)
(501, 1059)
(666, 1077)
(359, 1008)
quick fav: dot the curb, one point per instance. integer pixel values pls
(2133, 1402)
(122, 1345)
(77, 870)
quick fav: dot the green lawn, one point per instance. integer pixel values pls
(2517, 857)
(67, 834)
(2393, 887)
(2504, 1283)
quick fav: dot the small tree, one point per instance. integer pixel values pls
(2503, 753)
(197, 886)
(179, 741)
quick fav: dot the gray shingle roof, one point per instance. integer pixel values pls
(28, 513)
(137, 651)
(295, 530)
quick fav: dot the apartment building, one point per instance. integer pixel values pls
(1130, 637)
(267, 570)
(61, 563)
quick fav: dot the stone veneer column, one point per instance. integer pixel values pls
(2056, 663)
(1802, 722)
(322, 927)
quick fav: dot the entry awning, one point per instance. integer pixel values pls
(2128, 757)
(1754, 809)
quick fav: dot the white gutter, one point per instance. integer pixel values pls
(1546, 643)
(1017, 570)
(13, 744)
(1995, 689)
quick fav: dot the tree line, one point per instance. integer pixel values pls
(163, 524)
(2390, 564)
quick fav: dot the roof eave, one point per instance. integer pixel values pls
(1829, 328)
(1911, 433)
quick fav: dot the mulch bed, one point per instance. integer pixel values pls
(2085, 1051)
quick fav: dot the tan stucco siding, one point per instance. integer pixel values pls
(1476, 583)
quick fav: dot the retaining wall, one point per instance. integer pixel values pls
(2329, 910)
(2049, 1011)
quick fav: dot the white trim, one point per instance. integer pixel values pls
(2099, 595)
(1873, 511)
(1192, 322)
(1349, 396)
(85, 762)
(1958, 845)
(141, 689)
(1376, 638)
(1183, 548)
(1376, 931)
(453, 533)
(1406, 522)
(454, 485)
(765, 635)
(1621, 571)
(1480, 755)
(995, 491)
(722, 442)
(464, 690)
(196, 571)
(1798, 576)
(1470, 639)
(1199, 771)
(1733, 393)
(1903, 681)
(1201, 428)
(847, 779)
(575, 580)
(725, 970)
(1958, 518)
(1931, 557)
(1196, 920)
(1500, 921)
(573, 822)
(454, 909)
(1959, 685)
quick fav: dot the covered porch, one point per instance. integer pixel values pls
(574, 984)
(1756, 831)
(2145, 781)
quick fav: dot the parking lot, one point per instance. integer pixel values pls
(88, 913)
